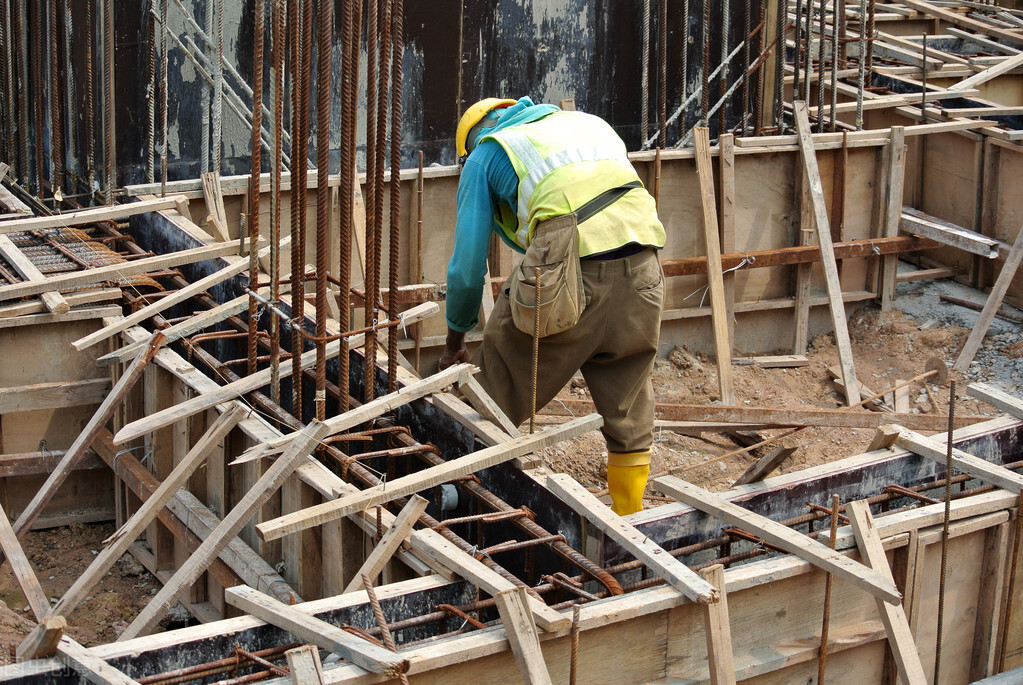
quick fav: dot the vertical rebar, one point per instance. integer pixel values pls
(574, 656)
(828, 583)
(807, 52)
(351, 35)
(861, 71)
(151, 100)
(277, 48)
(779, 62)
(164, 63)
(685, 69)
(56, 139)
(324, 37)
(218, 93)
(21, 69)
(110, 102)
(378, 614)
(949, 446)
(645, 95)
(36, 28)
(372, 104)
(258, 10)
(822, 32)
(724, 66)
(6, 89)
(870, 41)
(398, 46)
(662, 80)
(302, 43)
(842, 22)
(206, 97)
(797, 60)
(705, 66)
(747, 19)
(834, 62)
(90, 125)
(70, 151)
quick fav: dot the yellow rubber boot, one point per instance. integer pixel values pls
(626, 479)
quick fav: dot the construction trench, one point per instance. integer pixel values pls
(326, 508)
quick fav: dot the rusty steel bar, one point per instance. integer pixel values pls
(372, 104)
(277, 670)
(662, 73)
(747, 21)
(325, 30)
(723, 79)
(164, 63)
(513, 545)
(252, 220)
(378, 615)
(394, 256)
(830, 578)
(277, 48)
(455, 611)
(939, 630)
(35, 28)
(871, 6)
(109, 117)
(351, 32)
(56, 87)
(150, 98)
(560, 580)
(21, 69)
(198, 670)
(645, 84)
(906, 492)
(684, 97)
(705, 66)
(301, 40)
(489, 517)
(820, 67)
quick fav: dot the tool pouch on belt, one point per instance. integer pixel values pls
(555, 250)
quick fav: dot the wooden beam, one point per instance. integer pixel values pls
(42, 641)
(22, 569)
(486, 406)
(118, 543)
(726, 171)
(486, 431)
(994, 301)
(781, 536)
(304, 664)
(89, 666)
(673, 571)
(115, 272)
(717, 630)
(244, 385)
(258, 494)
(53, 395)
(426, 478)
(777, 361)
(765, 465)
(53, 301)
(811, 176)
(73, 299)
(719, 316)
(435, 546)
(87, 435)
(1005, 65)
(900, 638)
(372, 409)
(164, 303)
(359, 651)
(918, 223)
(999, 476)
(214, 196)
(390, 541)
(1003, 401)
(522, 636)
(893, 204)
(92, 215)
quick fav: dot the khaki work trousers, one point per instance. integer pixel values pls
(614, 344)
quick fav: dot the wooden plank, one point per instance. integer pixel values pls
(901, 397)
(433, 545)
(999, 476)
(1000, 399)
(426, 478)
(486, 406)
(258, 494)
(244, 385)
(93, 215)
(53, 301)
(22, 569)
(89, 666)
(304, 664)
(522, 635)
(726, 166)
(918, 223)
(719, 315)
(42, 641)
(717, 630)
(115, 272)
(673, 571)
(895, 173)
(781, 536)
(811, 176)
(179, 296)
(963, 21)
(214, 196)
(994, 301)
(486, 431)
(778, 361)
(118, 543)
(900, 638)
(73, 299)
(87, 435)
(804, 271)
(371, 410)
(53, 395)
(1004, 65)
(370, 656)
(390, 541)
(765, 465)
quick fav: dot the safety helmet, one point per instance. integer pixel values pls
(473, 116)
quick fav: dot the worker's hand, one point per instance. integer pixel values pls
(454, 350)
(452, 357)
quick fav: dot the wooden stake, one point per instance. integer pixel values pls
(42, 641)
(522, 635)
(892, 213)
(717, 630)
(22, 569)
(304, 664)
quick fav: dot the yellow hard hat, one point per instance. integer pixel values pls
(473, 116)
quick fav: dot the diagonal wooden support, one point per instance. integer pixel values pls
(390, 542)
(781, 536)
(53, 300)
(763, 467)
(673, 571)
(42, 641)
(261, 491)
(718, 630)
(522, 636)
(486, 406)
(812, 179)
(900, 638)
(370, 656)
(89, 666)
(119, 542)
(999, 476)
(304, 664)
(718, 310)
(245, 385)
(994, 301)
(999, 399)
(92, 215)
(88, 434)
(22, 569)
(427, 478)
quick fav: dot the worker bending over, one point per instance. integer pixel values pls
(558, 186)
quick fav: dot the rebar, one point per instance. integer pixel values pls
(206, 100)
(21, 69)
(252, 220)
(705, 66)
(779, 37)
(662, 79)
(834, 63)
(861, 67)
(398, 46)
(828, 582)
(723, 86)
(645, 93)
(807, 52)
(301, 60)
(798, 57)
(164, 64)
(277, 48)
(684, 92)
(109, 118)
(351, 35)
(870, 43)
(821, 31)
(747, 20)
(325, 29)
(37, 88)
(7, 84)
(150, 98)
(56, 81)
(218, 90)
(573, 669)
(949, 446)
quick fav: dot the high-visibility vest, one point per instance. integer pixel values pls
(565, 160)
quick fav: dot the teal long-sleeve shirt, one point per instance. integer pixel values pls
(488, 185)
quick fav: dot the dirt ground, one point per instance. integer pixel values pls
(886, 347)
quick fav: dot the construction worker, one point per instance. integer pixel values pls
(527, 167)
